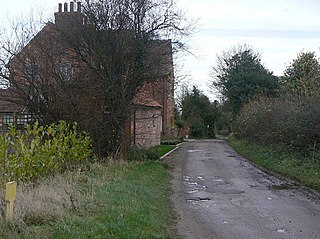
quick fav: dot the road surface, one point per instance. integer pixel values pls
(219, 195)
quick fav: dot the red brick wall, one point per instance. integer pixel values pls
(161, 84)
(146, 126)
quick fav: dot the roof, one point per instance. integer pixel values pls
(143, 99)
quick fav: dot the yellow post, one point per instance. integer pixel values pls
(11, 192)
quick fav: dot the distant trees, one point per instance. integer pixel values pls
(198, 113)
(302, 76)
(239, 76)
(267, 110)
(290, 120)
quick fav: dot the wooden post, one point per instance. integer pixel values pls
(11, 192)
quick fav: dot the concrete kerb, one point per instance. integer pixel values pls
(177, 146)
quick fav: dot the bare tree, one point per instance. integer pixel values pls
(90, 64)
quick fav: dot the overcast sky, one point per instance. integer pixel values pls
(278, 29)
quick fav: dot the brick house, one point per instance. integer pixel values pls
(152, 108)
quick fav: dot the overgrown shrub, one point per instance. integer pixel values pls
(42, 150)
(292, 120)
(198, 129)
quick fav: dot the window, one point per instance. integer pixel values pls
(8, 118)
(25, 118)
(32, 71)
(66, 71)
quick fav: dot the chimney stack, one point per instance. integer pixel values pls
(65, 7)
(78, 6)
(71, 6)
(60, 7)
(69, 16)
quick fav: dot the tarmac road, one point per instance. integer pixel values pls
(217, 194)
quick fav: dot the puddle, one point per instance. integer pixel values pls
(281, 230)
(284, 186)
(192, 191)
(192, 183)
(193, 150)
(217, 180)
(195, 183)
(199, 199)
(186, 178)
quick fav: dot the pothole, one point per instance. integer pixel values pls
(231, 156)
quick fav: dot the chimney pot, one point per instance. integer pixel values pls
(71, 6)
(60, 7)
(78, 6)
(65, 7)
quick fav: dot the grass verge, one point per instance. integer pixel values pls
(163, 149)
(278, 160)
(122, 200)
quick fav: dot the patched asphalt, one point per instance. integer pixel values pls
(218, 194)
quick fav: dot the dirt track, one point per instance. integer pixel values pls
(218, 194)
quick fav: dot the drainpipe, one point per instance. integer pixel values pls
(164, 106)
(134, 126)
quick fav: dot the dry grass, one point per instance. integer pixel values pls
(50, 198)
(116, 200)
(46, 201)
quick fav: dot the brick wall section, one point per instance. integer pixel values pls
(161, 84)
(146, 126)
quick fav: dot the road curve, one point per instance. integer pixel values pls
(219, 195)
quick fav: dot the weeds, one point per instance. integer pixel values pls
(118, 200)
(282, 160)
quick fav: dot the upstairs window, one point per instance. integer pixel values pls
(66, 71)
(32, 71)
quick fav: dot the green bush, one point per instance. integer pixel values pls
(198, 129)
(291, 120)
(42, 150)
(180, 123)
